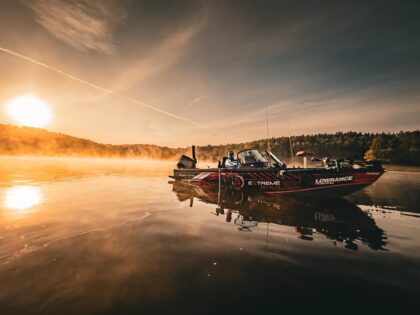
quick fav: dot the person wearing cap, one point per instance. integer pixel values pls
(230, 161)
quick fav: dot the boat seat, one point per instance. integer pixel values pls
(224, 161)
(249, 160)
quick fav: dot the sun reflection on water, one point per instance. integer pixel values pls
(22, 197)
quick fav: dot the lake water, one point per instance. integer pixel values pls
(114, 237)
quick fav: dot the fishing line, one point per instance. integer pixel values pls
(97, 87)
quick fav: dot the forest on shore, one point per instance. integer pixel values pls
(401, 148)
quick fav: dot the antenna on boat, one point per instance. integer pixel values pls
(290, 143)
(268, 133)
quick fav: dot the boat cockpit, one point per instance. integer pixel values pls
(252, 158)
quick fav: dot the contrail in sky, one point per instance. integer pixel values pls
(104, 90)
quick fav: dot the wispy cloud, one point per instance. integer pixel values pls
(157, 129)
(162, 56)
(195, 100)
(82, 24)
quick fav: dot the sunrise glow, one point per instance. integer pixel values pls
(22, 197)
(29, 110)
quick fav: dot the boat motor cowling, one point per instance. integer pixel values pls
(185, 162)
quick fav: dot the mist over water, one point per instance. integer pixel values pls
(86, 236)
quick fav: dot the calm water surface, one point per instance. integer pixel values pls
(115, 237)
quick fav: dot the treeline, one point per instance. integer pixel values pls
(40, 142)
(396, 148)
(401, 148)
(393, 148)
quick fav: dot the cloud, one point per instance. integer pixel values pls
(325, 112)
(195, 100)
(166, 54)
(82, 24)
(157, 129)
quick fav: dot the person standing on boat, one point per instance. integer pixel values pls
(230, 161)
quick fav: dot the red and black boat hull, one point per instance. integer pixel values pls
(315, 181)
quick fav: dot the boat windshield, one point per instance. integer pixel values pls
(252, 157)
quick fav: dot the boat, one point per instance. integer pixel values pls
(269, 175)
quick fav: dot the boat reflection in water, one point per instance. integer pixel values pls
(337, 219)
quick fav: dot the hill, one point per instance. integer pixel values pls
(398, 148)
(16, 140)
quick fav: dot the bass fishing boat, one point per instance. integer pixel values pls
(270, 175)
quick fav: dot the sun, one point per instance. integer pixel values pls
(29, 110)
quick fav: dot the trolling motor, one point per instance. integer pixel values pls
(185, 162)
(339, 164)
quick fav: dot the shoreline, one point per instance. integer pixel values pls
(388, 167)
(401, 168)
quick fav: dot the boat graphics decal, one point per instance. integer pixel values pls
(264, 183)
(333, 180)
(202, 175)
(238, 182)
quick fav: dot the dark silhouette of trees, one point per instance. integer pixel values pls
(401, 148)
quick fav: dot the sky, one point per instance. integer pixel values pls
(177, 73)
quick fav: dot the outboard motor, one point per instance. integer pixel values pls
(185, 162)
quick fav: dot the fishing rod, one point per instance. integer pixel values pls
(268, 133)
(290, 143)
(268, 136)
